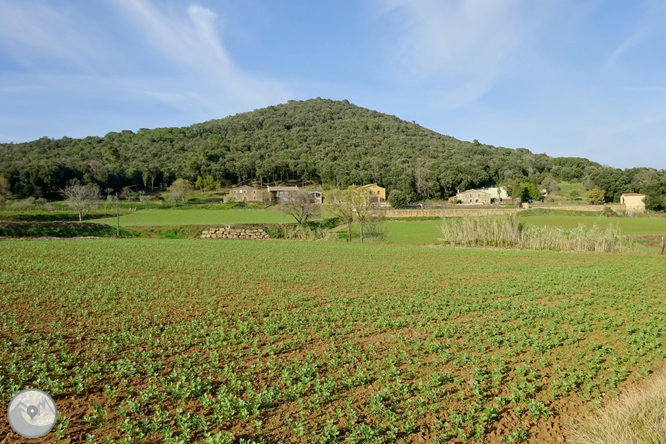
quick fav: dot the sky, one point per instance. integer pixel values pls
(583, 78)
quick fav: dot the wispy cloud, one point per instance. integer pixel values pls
(191, 41)
(469, 45)
(176, 59)
(34, 32)
(651, 25)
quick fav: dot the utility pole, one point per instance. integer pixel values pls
(117, 216)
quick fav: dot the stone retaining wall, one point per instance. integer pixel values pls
(234, 233)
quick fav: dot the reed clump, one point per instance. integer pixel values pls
(506, 231)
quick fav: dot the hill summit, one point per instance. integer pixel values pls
(331, 142)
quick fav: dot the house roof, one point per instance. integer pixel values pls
(370, 185)
(283, 188)
(475, 191)
(632, 194)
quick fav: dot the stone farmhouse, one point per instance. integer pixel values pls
(474, 197)
(246, 193)
(376, 191)
(633, 202)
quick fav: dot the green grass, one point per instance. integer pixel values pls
(152, 218)
(567, 188)
(185, 340)
(419, 232)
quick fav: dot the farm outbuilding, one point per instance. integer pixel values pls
(633, 202)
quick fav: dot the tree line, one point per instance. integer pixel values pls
(330, 142)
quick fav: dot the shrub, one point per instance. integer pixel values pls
(397, 199)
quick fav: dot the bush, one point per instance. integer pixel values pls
(397, 199)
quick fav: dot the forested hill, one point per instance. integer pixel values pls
(331, 142)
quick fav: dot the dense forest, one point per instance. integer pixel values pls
(330, 142)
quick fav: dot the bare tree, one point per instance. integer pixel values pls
(340, 203)
(423, 181)
(81, 198)
(301, 205)
(363, 207)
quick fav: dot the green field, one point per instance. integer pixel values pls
(418, 232)
(427, 232)
(149, 340)
(153, 218)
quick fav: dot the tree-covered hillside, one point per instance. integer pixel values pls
(331, 142)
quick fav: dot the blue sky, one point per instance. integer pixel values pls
(580, 78)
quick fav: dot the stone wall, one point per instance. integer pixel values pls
(457, 212)
(598, 208)
(234, 233)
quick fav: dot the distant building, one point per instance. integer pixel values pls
(496, 194)
(474, 197)
(317, 195)
(282, 194)
(376, 191)
(245, 193)
(286, 194)
(633, 202)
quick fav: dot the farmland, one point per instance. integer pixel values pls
(148, 218)
(149, 340)
(630, 226)
(425, 232)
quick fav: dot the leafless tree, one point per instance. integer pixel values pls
(81, 198)
(364, 207)
(301, 205)
(353, 204)
(339, 202)
(422, 178)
